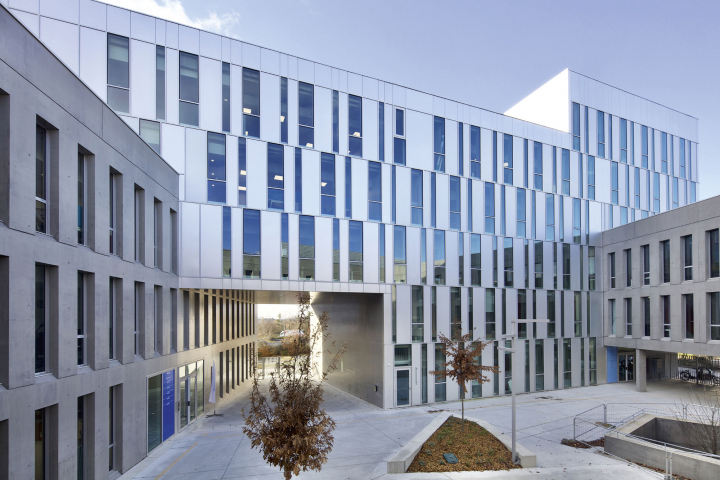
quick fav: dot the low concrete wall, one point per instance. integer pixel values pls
(401, 461)
(685, 464)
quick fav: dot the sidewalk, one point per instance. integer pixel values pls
(367, 436)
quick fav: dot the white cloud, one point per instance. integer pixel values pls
(173, 10)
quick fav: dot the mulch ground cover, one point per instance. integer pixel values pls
(475, 448)
(592, 443)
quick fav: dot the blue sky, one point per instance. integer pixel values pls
(493, 53)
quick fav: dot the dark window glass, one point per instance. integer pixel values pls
(439, 144)
(416, 194)
(336, 121)
(399, 151)
(226, 97)
(455, 203)
(307, 248)
(490, 208)
(508, 159)
(160, 82)
(474, 152)
(150, 132)
(381, 132)
(348, 187)
(375, 191)
(356, 251)
(189, 77)
(275, 176)
(284, 110)
(327, 184)
(298, 180)
(251, 232)
(576, 126)
(355, 125)
(242, 172)
(251, 102)
(118, 73)
(189, 89)
(306, 132)
(216, 167)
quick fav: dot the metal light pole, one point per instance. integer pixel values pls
(512, 336)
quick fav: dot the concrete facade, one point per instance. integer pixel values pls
(656, 338)
(91, 377)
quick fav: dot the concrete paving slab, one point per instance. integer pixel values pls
(366, 437)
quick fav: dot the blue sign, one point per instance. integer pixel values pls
(168, 404)
(612, 364)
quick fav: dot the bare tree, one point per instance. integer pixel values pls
(699, 419)
(290, 427)
(462, 363)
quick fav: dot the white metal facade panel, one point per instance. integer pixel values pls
(442, 201)
(323, 119)
(189, 39)
(402, 196)
(93, 60)
(142, 27)
(370, 129)
(171, 35)
(370, 252)
(269, 107)
(419, 135)
(359, 189)
(236, 243)
(142, 79)
(293, 247)
(311, 182)
(413, 238)
(211, 241)
(173, 146)
(210, 94)
(63, 40)
(172, 94)
(196, 165)
(231, 170)
(256, 174)
(236, 115)
(270, 245)
(93, 14)
(289, 178)
(190, 240)
(324, 249)
(451, 147)
(210, 45)
(387, 193)
(292, 112)
(118, 21)
(486, 155)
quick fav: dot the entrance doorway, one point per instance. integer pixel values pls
(626, 367)
(402, 387)
(190, 393)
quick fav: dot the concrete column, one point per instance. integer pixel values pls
(640, 369)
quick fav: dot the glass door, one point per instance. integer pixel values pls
(622, 368)
(193, 381)
(402, 387)
(183, 403)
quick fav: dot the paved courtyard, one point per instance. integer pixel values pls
(367, 436)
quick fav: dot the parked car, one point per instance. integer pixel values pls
(701, 374)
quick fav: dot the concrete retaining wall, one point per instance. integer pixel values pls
(636, 450)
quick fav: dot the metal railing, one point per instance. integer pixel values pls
(596, 421)
(605, 420)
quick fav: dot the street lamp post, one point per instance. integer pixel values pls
(512, 336)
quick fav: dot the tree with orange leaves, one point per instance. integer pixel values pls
(461, 363)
